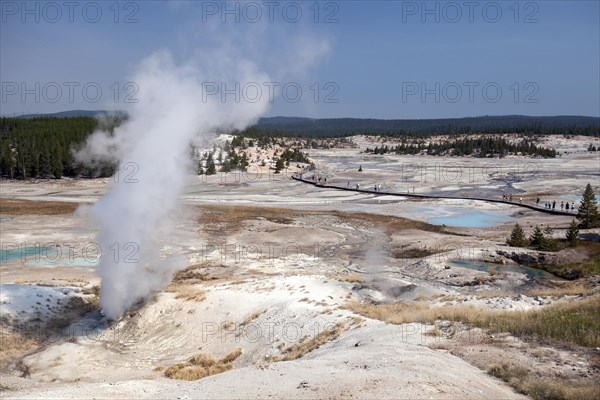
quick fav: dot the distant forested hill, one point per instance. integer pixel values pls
(497, 124)
(77, 113)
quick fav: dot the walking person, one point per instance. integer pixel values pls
(573, 206)
(562, 205)
(553, 204)
(537, 201)
(567, 206)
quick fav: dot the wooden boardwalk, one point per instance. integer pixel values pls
(427, 196)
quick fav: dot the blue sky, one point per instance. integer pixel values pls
(381, 59)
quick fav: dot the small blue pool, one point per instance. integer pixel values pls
(9, 253)
(44, 256)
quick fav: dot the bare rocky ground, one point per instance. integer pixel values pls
(273, 266)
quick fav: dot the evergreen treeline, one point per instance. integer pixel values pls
(522, 124)
(479, 147)
(42, 147)
(264, 138)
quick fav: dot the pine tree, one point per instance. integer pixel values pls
(45, 161)
(588, 209)
(572, 234)
(549, 243)
(243, 164)
(211, 169)
(226, 166)
(57, 164)
(360, 168)
(279, 165)
(517, 237)
(6, 161)
(537, 238)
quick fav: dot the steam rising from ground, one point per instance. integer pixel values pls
(153, 149)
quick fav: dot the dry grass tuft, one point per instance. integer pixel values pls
(563, 288)
(29, 207)
(251, 318)
(575, 322)
(202, 365)
(13, 345)
(394, 313)
(188, 292)
(539, 388)
(307, 345)
(231, 357)
(445, 297)
(197, 273)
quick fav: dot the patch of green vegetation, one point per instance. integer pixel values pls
(574, 270)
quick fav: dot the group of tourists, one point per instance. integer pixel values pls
(551, 205)
(564, 205)
(376, 188)
(548, 204)
(509, 197)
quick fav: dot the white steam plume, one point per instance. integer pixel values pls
(155, 139)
